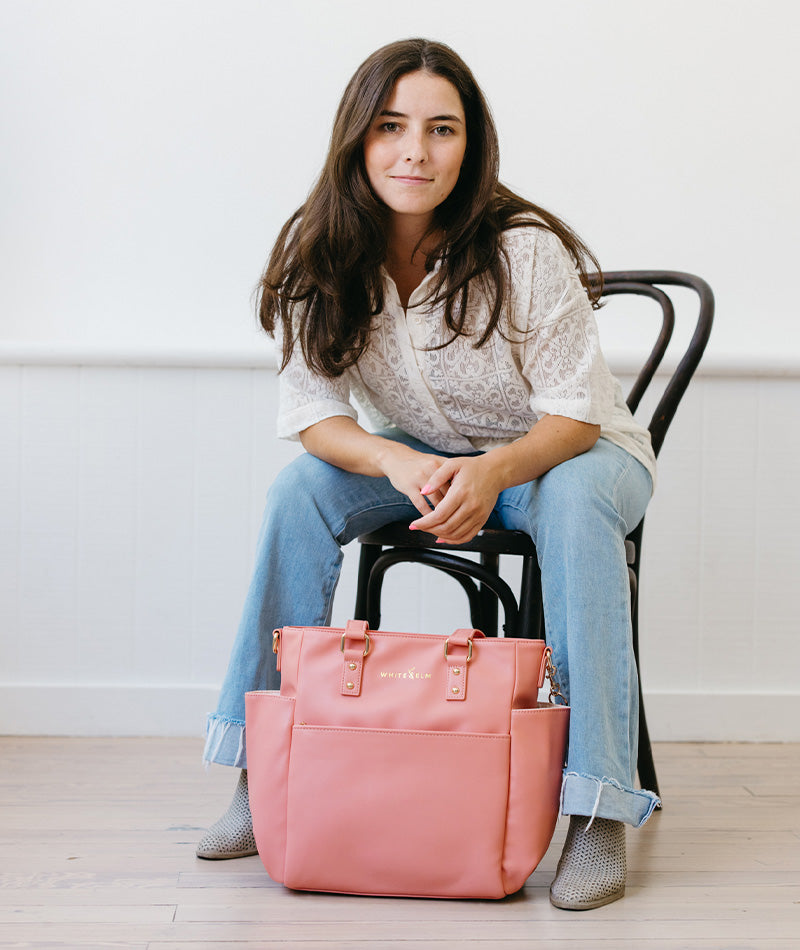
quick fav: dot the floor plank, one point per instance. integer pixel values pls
(97, 850)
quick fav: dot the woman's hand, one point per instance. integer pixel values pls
(410, 471)
(471, 485)
(341, 441)
(464, 491)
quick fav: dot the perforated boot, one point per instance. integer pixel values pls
(232, 835)
(592, 868)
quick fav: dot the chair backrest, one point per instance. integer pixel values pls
(650, 284)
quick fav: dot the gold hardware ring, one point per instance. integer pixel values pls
(469, 649)
(366, 639)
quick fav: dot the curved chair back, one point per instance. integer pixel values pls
(649, 284)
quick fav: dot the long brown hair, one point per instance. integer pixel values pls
(322, 280)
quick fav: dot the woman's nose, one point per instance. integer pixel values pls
(416, 153)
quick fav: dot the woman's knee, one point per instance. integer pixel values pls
(576, 499)
(312, 491)
(304, 478)
(599, 480)
(574, 487)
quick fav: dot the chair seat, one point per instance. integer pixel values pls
(487, 541)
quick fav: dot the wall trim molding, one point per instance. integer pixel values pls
(263, 357)
(89, 709)
(723, 717)
(66, 354)
(180, 710)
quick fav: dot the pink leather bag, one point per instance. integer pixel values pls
(404, 764)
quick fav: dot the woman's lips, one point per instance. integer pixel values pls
(410, 180)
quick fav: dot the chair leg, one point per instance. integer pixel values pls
(488, 598)
(531, 625)
(645, 765)
(369, 555)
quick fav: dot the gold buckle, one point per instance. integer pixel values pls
(469, 648)
(366, 648)
(276, 639)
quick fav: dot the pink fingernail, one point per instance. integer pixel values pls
(413, 527)
(425, 490)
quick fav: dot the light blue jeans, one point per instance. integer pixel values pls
(577, 514)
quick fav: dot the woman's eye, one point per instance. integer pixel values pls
(390, 127)
(443, 130)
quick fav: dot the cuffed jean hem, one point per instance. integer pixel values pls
(225, 742)
(605, 798)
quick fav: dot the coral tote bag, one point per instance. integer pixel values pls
(404, 764)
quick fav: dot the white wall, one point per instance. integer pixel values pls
(152, 148)
(131, 497)
(149, 152)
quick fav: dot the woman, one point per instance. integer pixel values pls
(457, 314)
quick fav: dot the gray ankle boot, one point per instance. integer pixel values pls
(232, 835)
(592, 868)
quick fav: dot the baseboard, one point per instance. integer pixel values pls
(105, 710)
(180, 710)
(723, 717)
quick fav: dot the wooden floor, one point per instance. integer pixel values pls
(97, 841)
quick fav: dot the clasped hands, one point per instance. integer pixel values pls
(454, 496)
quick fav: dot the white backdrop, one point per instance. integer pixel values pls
(149, 152)
(151, 149)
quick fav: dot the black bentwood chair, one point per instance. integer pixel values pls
(523, 615)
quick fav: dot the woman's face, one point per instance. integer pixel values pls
(414, 149)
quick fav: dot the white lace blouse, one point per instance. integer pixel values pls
(460, 399)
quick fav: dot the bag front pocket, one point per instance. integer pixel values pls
(397, 813)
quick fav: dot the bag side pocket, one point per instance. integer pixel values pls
(538, 747)
(269, 720)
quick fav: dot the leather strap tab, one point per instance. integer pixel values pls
(456, 679)
(355, 647)
(351, 671)
(357, 630)
(463, 634)
(458, 653)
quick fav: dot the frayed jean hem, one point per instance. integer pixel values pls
(225, 742)
(605, 798)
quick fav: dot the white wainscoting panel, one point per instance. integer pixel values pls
(131, 496)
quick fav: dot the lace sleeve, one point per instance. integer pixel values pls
(306, 397)
(560, 355)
